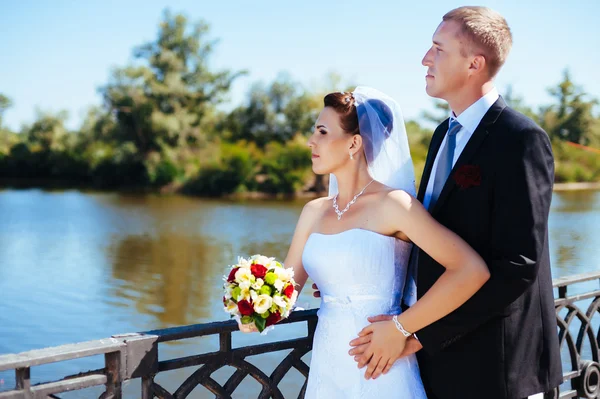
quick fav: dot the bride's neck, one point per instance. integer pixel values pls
(351, 183)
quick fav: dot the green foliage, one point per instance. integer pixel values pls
(231, 172)
(418, 140)
(574, 164)
(285, 167)
(164, 99)
(572, 118)
(160, 128)
(274, 113)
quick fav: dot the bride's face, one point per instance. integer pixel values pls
(446, 62)
(330, 144)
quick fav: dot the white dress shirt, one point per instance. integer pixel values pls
(469, 120)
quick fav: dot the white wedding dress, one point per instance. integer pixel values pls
(360, 273)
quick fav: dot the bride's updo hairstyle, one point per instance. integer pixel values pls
(345, 106)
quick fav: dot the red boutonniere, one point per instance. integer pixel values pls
(468, 176)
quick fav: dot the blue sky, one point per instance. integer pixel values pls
(55, 54)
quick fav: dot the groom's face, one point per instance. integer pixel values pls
(447, 66)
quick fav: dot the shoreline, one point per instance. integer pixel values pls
(9, 184)
(577, 186)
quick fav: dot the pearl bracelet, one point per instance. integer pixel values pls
(400, 327)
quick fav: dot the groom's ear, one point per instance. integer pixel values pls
(478, 64)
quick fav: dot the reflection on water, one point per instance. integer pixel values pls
(168, 277)
(574, 232)
(78, 266)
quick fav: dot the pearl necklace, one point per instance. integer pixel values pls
(335, 205)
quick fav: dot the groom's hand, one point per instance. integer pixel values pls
(317, 293)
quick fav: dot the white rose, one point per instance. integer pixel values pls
(243, 275)
(244, 294)
(261, 260)
(279, 301)
(253, 295)
(243, 263)
(284, 274)
(258, 283)
(294, 297)
(245, 285)
(231, 307)
(262, 304)
(273, 264)
(279, 285)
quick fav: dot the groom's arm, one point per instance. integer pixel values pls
(519, 217)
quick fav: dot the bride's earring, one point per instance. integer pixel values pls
(351, 156)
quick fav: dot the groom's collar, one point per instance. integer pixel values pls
(472, 116)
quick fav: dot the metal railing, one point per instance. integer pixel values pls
(135, 356)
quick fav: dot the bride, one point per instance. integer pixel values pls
(355, 245)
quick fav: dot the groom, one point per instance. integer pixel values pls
(488, 177)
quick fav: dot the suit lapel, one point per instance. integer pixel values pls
(434, 147)
(470, 149)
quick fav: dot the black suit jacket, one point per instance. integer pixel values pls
(503, 342)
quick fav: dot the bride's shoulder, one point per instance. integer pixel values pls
(317, 205)
(395, 197)
(312, 212)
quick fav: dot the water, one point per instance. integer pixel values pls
(78, 266)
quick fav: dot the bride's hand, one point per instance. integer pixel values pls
(316, 293)
(386, 346)
(247, 328)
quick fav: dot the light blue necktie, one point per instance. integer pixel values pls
(445, 160)
(444, 167)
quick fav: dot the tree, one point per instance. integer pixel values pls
(7, 138)
(163, 102)
(517, 103)
(274, 113)
(5, 103)
(48, 131)
(572, 117)
(442, 108)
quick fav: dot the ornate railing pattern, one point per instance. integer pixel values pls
(579, 336)
(135, 356)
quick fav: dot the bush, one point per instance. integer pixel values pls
(233, 171)
(285, 167)
(575, 164)
(124, 169)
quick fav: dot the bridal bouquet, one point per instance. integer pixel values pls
(259, 290)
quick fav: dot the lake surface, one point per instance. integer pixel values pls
(77, 266)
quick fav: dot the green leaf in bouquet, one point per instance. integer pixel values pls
(260, 322)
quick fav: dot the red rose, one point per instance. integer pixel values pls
(468, 176)
(232, 274)
(258, 271)
(245, 308)
(288, 290)
(224, 301)
(273, 318)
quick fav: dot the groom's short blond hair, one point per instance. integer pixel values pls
(486, 32)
